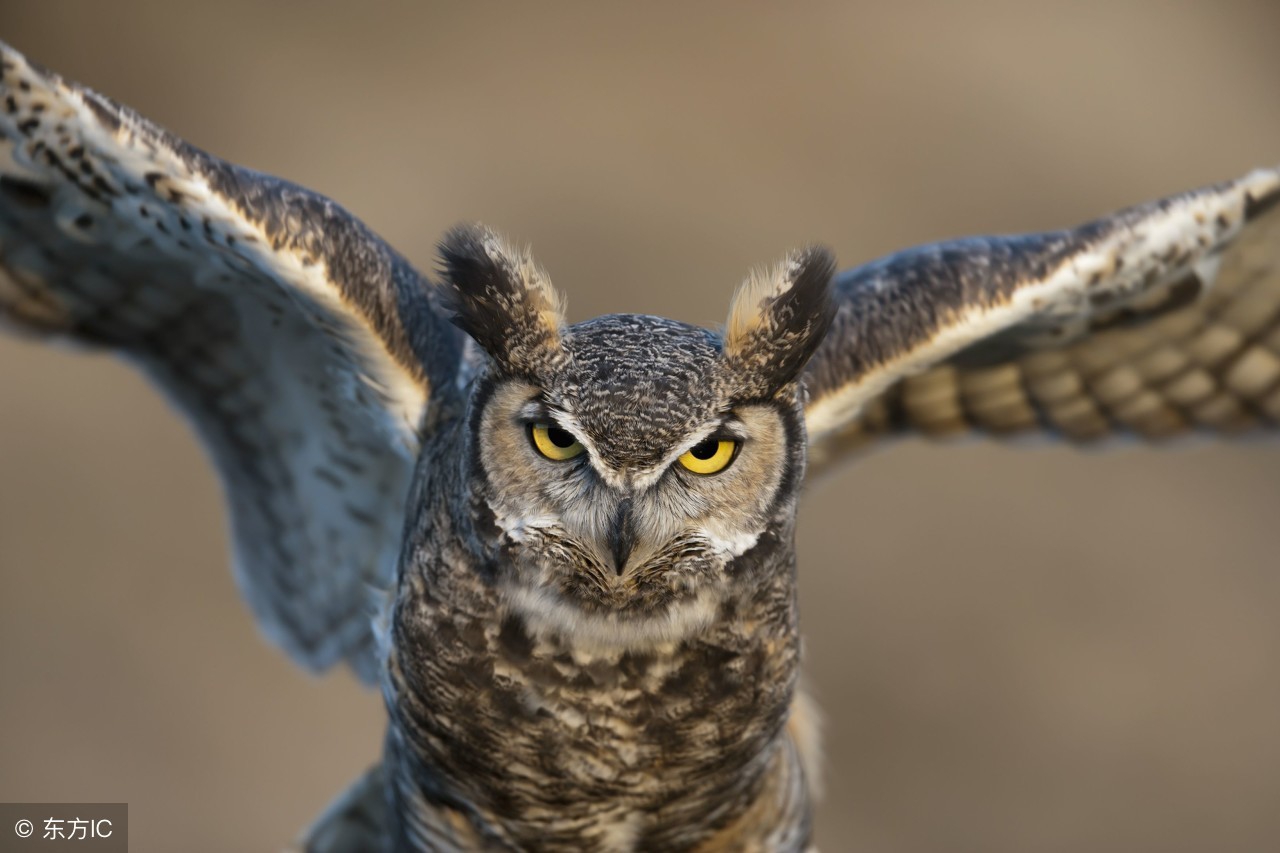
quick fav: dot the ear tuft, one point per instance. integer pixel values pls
(777, 320)
(502, 299)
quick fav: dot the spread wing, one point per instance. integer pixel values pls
(304, 350)
(1156, 321)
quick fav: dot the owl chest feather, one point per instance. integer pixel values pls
(542, 742)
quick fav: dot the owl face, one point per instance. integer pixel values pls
(631, 462)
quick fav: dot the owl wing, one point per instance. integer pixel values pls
(1152, 322)
(275, 320)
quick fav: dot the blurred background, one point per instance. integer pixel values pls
(1017, 649)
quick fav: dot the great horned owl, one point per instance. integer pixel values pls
(583, 533)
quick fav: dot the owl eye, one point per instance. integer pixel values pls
(554, 443)
(710, 456)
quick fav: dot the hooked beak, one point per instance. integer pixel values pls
(622, 535)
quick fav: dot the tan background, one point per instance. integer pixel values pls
(1017, 649)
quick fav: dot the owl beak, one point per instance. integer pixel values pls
(622, 535)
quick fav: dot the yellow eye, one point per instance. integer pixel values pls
(709, 457)
(554, 443)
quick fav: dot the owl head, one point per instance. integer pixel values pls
(634, 471)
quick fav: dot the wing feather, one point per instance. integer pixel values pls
(1155, 321)
(305, 351)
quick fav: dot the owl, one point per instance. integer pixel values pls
(565, 552)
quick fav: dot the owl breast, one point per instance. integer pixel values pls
(546, 742)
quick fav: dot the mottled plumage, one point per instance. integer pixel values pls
(566, 552)
(272, 317)
(1157, 321)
